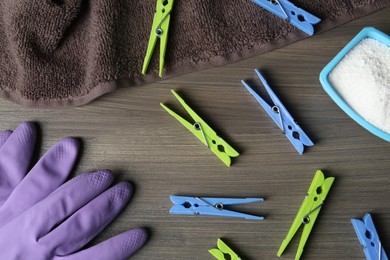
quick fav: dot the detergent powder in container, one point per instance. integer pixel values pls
(358, 80)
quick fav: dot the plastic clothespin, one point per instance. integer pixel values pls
(223, 250)
(204, 132)
(288, 11)
(159, 31)
(368, 238)
(210, 206)
(308, 212)
(281, 116)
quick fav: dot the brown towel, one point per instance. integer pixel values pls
(62, 53)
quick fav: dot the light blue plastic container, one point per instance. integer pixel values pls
(368, 32)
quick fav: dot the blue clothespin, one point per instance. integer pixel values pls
(210, 206)
(368, 238)
(288, 11)
(281, 117)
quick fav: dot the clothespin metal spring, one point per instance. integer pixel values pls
(218, 206)
(277, 110)
(306, 218)
(160, 31)
(198, 126)
(276, 2)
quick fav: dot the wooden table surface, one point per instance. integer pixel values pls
(128, 132)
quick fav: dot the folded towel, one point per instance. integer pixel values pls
(63, 53)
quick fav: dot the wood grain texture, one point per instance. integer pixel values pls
(128, 132)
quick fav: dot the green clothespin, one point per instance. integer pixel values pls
(223, 250)
(308, 212)
(159, 31)
(204, 132)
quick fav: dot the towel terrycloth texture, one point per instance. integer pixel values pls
(63, 53)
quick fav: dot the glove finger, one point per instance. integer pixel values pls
(67, 199)
(15, 157)
(4, 189)
(4, 136)
(119, 247)
(89, 221)
(49, 173)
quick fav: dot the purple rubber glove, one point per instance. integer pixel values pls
(42, 218)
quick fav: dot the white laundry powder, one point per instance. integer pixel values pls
(362, 79)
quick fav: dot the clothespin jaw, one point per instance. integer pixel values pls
(281, 116)
(308, 212)
(210, 207)
(223, 250)
(159, 30)
(204, 132)
(369, 238)
(287, 11)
